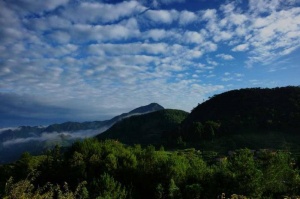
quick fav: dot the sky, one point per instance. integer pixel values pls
(83, 60)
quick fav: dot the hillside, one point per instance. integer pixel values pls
(205, 154)
(145, 129)
(256, 108)
(254, 118)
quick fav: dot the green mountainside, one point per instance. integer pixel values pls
(146, 128)
(254, 118)
(239, 144)
(257, 108)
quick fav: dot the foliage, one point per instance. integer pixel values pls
(251, 108)
(145, 129)
(25, 189)
(110, 169)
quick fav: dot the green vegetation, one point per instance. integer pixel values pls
(276, 109)
(239, 144)
(255, 118)
(145, 129)
(109, 169)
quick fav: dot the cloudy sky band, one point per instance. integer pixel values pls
(112, 57)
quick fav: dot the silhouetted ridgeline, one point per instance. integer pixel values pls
(252, 108)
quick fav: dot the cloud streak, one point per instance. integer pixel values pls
(55, 137)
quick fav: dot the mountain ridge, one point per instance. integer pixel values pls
(63, 134)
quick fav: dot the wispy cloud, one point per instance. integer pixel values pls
(225, 56)
(241, 47)
(9, 128)
(55, 137)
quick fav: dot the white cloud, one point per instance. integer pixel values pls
(210, 46)
(226, 79)
(103, 12)
(105, 53)
(273, 35)
(209, 14)
(187, 17)
(225, 56)
(155, 34)
(61, 37)
(162, 16)
(241, 47)
(222, 35)
(55, 136)
(130, 48)
(261, 6)
(9, 128)
(47, 23)
(238, 75)
(32, 6)
(193, 37)
(211, 62)
(85, 32)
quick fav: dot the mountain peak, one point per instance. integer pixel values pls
(148, 108)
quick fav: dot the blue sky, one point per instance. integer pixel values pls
(79, 60)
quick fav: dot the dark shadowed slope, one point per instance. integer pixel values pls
(257, 108)
(145, 129)
(254, 118)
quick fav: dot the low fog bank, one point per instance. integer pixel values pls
(55, 136)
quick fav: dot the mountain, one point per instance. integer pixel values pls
(15, 141)
(145, 129)
(257, 108)
(76, 126)
(253, 118)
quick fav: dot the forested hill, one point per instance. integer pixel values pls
(254, 108)
(145, 129)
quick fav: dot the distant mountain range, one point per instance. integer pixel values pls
(35, 139)
(254, 118)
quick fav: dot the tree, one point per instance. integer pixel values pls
(108, 188)
(192, 191)
(174, 191)
(210, 129)
(246, 176)
(279, 176)
(159, 191)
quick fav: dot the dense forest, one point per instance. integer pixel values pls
(239, 144)
(109, 169)
(252, 108)
(253, 117)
